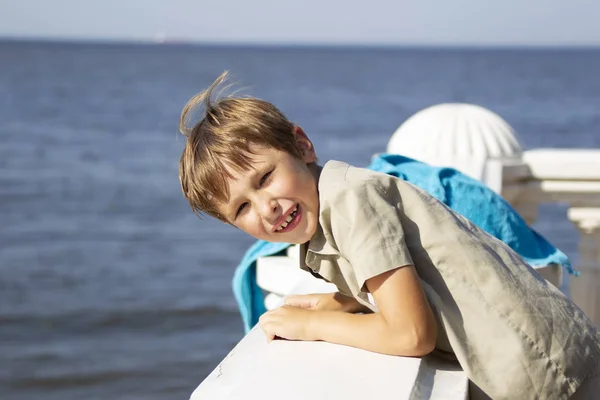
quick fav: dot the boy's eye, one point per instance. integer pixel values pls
(265, 177)
(240, 209)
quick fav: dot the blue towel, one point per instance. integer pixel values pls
(463, 194)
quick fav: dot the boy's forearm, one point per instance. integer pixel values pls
(369, 332)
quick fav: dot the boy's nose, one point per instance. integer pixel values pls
(270, 210)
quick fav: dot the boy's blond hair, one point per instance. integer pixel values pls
(221, 142)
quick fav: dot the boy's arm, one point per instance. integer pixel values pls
(404, 325)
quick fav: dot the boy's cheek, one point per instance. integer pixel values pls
(253, 229)
(251, 232)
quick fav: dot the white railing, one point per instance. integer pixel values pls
(569, 177)
(293, 370)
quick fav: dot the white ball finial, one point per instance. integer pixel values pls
(463, 136)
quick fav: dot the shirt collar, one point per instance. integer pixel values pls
(317, 247)
(331, 173)
(319, 244)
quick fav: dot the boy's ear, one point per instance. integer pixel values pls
(307, 150)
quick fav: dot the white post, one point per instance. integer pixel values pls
(585, 289)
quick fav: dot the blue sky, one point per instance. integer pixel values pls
(433, 22)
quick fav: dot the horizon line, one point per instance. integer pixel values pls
(296, 44)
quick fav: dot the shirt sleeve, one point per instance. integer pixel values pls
(367, 228)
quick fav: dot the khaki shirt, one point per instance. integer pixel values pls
(515, 335)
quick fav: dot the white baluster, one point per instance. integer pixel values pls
(585, 290)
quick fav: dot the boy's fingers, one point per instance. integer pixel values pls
(298, 301)
(267, 331)
(293, 298)
(293, 301)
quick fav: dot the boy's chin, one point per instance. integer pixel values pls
(283, 239)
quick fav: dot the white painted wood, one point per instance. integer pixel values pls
(552, 273)
(585, 289)
(293, 252)
(282, 275)
(564, 164)
(279, 274)
(273, 300)
(257, 370)
(515, 170)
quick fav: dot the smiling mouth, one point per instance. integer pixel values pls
(287, 224)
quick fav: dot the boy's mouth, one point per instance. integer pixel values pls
(290, 221)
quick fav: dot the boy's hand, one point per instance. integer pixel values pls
(317, 301)
(286, 322)
(325, 302)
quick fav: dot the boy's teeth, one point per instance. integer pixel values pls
(288, 219)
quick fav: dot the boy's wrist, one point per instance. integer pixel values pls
(312, 325)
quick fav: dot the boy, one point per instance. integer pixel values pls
(424, 277)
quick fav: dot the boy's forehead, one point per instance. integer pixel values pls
(236, 173)
(237, 176)
(234, 187)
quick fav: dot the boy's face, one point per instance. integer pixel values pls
(277, 201)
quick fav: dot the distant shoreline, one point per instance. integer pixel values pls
(296, 45)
